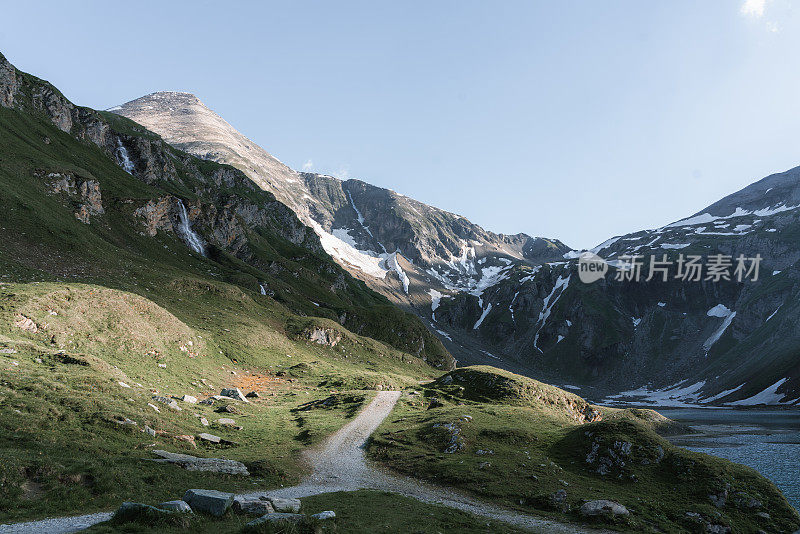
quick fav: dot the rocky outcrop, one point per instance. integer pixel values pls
(324, 336)
(194, 463)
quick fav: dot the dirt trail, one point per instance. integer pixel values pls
(339, 464)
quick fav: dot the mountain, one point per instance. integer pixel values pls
(413, 253)
(516, 301)
(155, 197)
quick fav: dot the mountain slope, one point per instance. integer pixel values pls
(115, 193)
(516, 301)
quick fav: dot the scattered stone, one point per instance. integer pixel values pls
(189, 399)
(211, 502)
(211, 438)
(162, 365)
(153, 406)
(251, 506)
(176, 506)
(324, 516)
(10, 351)
(123, 384)
(25, 323)
(207, 402)
(283, 505)
(275, 520)
(253, 395)
(601, 507)
(149, 431)
(204, 421)
(125, 421)
(193, 463)
(763, 515)
(234, 393)
(224, 421)
(169, 402)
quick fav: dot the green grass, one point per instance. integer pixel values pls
(61, 450)
(519, 446)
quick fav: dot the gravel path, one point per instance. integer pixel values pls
(339, 464)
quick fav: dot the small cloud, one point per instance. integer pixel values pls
(773, 27)
(343, 173)
(753, 8)
(308, 165)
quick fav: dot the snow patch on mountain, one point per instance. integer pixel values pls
(547, 306)
(483, 316)
(769, 396)
(673, 396)
(720, 310)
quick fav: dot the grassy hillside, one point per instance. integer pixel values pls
(518, 442)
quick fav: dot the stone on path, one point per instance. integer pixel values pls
(211, 502)
(194, 463)
(603, 506)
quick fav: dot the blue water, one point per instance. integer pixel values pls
(766, 440)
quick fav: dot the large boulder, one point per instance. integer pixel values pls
(234, 393)
(194, 463)
(283, 505)
(211, 502)
(251, 506)
(603, 507)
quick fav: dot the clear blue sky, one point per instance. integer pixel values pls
(577, 120)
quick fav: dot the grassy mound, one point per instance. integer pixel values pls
(524, 449)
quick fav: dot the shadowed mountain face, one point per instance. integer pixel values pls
(517, 301)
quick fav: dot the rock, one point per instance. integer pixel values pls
(324, 516)
(224, 421)
(153, 406)
(193, 463)
(169, 402)
(211, 502)
(600, 507)
(283, 505)
(763, 515)
(211, 438)
(253, 395)
(189, 399)
(123, 384)
(125, 421)
(207, 402)
(25, 323)
(176, 506)
(149, 430)
(204, 421)
(280, 522)
(162, 365)
(718, 529)
(234, 393)
(251, 506)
